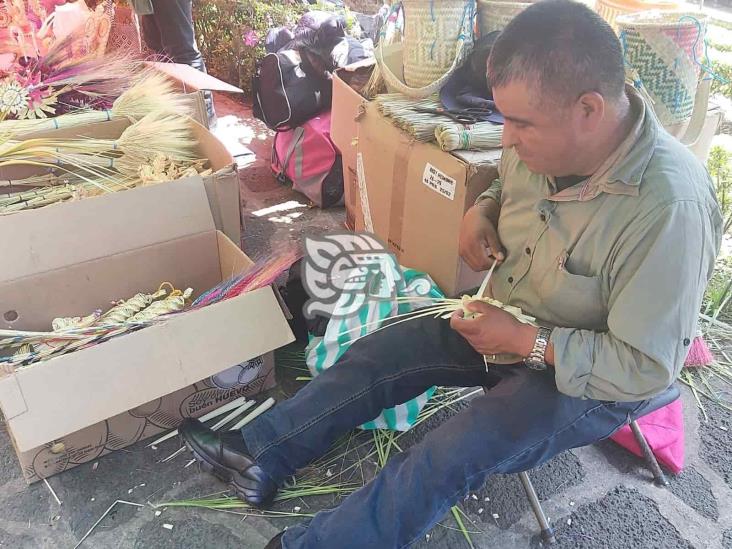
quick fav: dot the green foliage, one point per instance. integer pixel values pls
(723, 84)
(223, 26)
(717, 297)
(719, 165)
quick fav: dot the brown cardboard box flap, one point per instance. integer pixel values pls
(184, 350)
(75, 232)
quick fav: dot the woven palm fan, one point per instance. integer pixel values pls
(663, 53)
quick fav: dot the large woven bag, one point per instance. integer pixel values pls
(663, 53)
(438, 36)
(610, 10)
(494, 16)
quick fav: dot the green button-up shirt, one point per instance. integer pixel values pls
(617, 264)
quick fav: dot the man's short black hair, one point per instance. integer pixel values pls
(564, 47)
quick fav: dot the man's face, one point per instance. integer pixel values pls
(547, 138)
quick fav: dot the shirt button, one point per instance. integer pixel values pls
(542, 217)
(528, 251)
(510, 280)
(687, 341)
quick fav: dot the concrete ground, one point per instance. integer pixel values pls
(598, 496)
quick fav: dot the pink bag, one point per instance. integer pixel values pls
(306, 158)
(664, 431)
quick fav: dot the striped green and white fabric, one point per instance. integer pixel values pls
(323, 352)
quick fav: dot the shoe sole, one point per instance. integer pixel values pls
(225, 475)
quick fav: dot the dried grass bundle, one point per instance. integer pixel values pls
(478, 137)
(152, 93)
(157, 133)
(400, 108)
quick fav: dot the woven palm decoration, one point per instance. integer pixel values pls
(663, 54)
(438, 36)
(494, 16)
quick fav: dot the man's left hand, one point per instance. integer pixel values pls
(494, 331)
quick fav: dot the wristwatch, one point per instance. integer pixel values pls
(535, 360)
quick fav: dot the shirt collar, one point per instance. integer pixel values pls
(623, 170)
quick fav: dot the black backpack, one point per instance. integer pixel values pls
(288, 91)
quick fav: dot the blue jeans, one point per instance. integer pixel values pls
(521, 422)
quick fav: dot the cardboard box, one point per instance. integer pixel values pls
(70, 261)
(417, 193)
(193, 83)
(347, 106)
(149, 420)
(222, 187)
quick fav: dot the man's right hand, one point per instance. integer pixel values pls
(479, 243)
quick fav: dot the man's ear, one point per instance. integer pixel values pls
(591, 107)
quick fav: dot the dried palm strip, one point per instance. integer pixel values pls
(234, 404)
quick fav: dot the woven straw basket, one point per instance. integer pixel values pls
(610, 10)
(663, 52)
(494, 16)
(438, 36)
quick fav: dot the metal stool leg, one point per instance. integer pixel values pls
(547, 533)
(658, 476)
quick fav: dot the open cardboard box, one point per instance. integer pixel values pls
(73, 260)
(222, 187)
(417, 193)
(193, 83)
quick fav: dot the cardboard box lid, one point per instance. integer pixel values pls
(193, 79)
(49, 238)
(125, 372)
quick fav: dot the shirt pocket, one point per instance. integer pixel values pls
(573, 300)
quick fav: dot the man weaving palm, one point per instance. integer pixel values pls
(605, 229)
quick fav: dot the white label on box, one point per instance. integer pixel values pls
(439, 182)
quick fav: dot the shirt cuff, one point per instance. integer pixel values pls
(573, 360)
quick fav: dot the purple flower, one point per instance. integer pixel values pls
(251, 39)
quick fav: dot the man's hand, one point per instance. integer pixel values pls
(478, 234)
(495, 331)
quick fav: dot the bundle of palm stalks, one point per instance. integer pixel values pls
(159, 147)
(73, 333)
(152, 92)
(401, 109)
(477, 137)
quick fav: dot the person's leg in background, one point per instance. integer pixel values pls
(169, 31)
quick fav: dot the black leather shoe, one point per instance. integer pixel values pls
(226, 457)
(275, 542)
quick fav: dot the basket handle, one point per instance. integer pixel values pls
(425, 91)
(699, 114)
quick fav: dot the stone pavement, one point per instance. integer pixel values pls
(596, 497)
